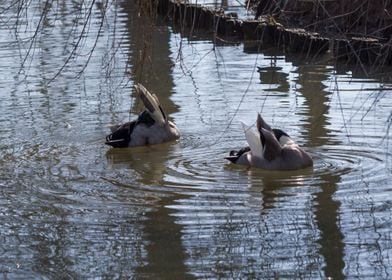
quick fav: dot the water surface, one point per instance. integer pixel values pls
(71, 207)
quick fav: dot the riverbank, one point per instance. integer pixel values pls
(269, 29)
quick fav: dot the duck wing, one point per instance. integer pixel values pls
(151, 103)
(253, 139)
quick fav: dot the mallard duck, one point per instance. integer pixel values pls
(271, 149)
(151, 126)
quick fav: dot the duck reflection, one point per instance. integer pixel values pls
(148, 162)
(272, 184)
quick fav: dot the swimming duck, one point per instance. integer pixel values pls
(151, 126)
(271, 149)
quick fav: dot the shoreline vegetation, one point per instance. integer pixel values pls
(357, 33)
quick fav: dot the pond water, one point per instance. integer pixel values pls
(71, 207)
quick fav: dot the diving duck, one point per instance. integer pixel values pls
(151, 127)
(271, 149)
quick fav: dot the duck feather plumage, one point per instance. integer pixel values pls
(271, 149)
(151, 126)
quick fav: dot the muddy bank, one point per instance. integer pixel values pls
(337, 19)
(268, 29)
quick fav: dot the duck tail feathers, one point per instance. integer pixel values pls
(261, 123)
(151, 103)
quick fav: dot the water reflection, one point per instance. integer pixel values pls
(327, 215)
(273, 75)
(159, 228)
(72, 207)
(165, 252)
(149, 55)
(310, 82)
(317, 134)
(151, 65)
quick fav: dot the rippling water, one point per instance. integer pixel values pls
(71, 207)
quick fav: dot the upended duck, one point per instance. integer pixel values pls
(271, 149)
(151, 127)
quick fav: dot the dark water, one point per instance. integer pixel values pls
(70, 207)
